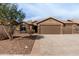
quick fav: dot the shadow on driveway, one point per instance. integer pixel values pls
(37, 37)
(34, 37)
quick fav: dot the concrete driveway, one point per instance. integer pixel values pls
(64, 44)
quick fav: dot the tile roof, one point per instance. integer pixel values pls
(71, 21)
(66, 21)
(42, 19)
(75, 21)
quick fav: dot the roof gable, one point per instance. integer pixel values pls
(49, 19)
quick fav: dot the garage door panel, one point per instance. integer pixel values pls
(50, 29)
(67, 30)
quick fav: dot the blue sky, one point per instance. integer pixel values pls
(58, 10)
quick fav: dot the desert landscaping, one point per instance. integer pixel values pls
(44, 37)
(21, 44)
(41, 45)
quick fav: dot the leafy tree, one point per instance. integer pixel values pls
(10, 15)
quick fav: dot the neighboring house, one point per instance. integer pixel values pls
(53, 26)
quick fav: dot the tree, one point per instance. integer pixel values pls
(10, 15)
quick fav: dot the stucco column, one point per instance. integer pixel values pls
(38, 29)
(61, 29)
(72, 29)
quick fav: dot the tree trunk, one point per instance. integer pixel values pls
(11, 30)
(10, 36)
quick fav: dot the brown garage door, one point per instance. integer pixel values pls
(50, 29)
(67, 29)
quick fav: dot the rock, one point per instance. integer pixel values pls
(26, 47)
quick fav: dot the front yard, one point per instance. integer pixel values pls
(20, 45)
(41, 44)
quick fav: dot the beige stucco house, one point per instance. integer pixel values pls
(53, 26)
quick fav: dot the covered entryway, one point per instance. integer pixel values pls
(50, 29)
(35, 28)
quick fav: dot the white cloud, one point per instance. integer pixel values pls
(33, 18)
(63, 11)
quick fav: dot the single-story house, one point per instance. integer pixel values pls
(53, 26)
